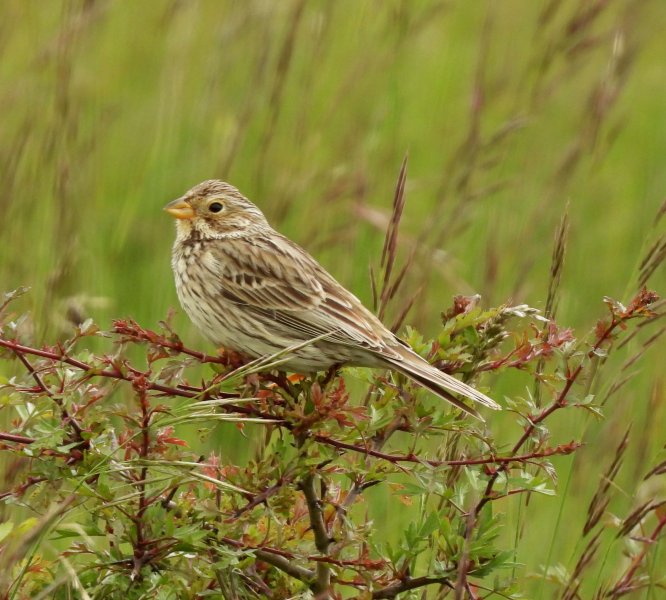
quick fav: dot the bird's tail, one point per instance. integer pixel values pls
(438, 382)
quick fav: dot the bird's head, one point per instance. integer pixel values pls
(215, 209)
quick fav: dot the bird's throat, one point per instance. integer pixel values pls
(184, 229)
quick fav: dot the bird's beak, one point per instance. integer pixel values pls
(180, 209)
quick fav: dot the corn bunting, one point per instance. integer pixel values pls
(252, 290)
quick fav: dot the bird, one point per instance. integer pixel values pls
(254, 291)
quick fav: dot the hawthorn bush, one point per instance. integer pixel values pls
(116, 504)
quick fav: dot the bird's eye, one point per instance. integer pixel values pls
(215, 207)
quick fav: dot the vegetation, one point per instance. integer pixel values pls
(137, 464)
(138, 513)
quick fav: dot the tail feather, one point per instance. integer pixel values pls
(440, 383)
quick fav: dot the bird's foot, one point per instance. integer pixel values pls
(330, 375)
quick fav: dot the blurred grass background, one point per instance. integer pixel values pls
(510, 112)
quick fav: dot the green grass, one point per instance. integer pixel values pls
(111, 109)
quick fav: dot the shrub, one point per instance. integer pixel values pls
(115, 503)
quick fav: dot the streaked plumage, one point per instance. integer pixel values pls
(250, 289)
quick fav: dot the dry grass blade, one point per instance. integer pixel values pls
(373, 289)
(602, 497)
(556, 269)
(402, 315)
(653, 259)
(660, 469)
(571, 591)
(635, 517)
(656, 252)
(660, 213)
(389, 252)
(557, 264)
(270, 361)
(624, 374)
(633, 579)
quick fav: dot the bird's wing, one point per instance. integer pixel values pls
(258, 273)
(274, 277)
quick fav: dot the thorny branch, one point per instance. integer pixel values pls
(202, 393)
